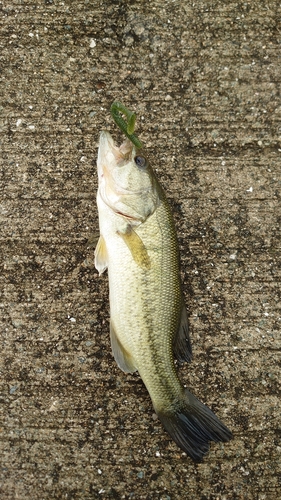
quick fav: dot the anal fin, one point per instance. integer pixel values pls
(122, 357)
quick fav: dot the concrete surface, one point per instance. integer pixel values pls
(205, 79)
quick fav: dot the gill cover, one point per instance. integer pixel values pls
(126, 182)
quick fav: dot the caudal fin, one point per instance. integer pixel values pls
(192, 425)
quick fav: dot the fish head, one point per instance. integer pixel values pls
(126, 181)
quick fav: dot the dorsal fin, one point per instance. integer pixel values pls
(182, 346)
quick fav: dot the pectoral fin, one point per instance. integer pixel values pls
(122, 357)
(101, 258)
(182, 346)
(136, 247)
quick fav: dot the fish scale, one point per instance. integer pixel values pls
(149, 325)
(143, 302)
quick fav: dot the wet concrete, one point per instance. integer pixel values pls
(205, 80)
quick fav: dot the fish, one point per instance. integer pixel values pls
(148, 317)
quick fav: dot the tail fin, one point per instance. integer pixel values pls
(192, 425)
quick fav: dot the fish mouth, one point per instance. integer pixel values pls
(110, 154)
(111, 191)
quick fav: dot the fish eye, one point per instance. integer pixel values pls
(140, 161)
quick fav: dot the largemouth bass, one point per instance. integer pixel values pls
(148, 318)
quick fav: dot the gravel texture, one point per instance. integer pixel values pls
(204, 78)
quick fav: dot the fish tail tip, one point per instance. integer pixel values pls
(192, 425)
